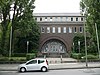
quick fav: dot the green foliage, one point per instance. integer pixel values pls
(92, 15)
(24, 27)
(76, 55)
(30, 56)
(19, 55)
(90, 57)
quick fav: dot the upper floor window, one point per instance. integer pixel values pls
(81, 18)
(71, 19)
(45, 18)
(42, 30)
(48, 29)
(50, 18)
(76, 18)
(53, 30)
(59, 29)
(40, 19)
(64, 30)
(66, 18)
(35, 18)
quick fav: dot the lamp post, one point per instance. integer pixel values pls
(27, 45)
(85, 39)
(11, 17)
(97, 40)
(79, 45)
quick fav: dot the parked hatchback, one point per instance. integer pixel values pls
(34, 64)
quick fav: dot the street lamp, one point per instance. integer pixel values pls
(11, 17)
(79, 45)
(27, 45)
(85, 38)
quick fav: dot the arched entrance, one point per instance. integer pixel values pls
(54, 48)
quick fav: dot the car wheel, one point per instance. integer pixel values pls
(22, 69)
(43, 69)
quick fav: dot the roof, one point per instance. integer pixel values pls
(57, 14)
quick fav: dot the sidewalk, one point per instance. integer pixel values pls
(13, 67)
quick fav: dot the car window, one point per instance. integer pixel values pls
(32, 62)
(40, 61)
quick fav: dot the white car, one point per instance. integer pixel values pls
(34, 64)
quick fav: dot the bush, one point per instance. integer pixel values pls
(30, 56)
(90, 57)
(19, 55)
(76, 55)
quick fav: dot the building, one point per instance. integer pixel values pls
(57, 32)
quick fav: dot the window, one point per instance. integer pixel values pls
(50, 18)
(64, 30)
(35, 18)
(59, 29)
(61, 18)
(48, 29)
(42, 29)
(32, 62)
(53, 30)
(76, 18)
(66, 18)
(40, 61)
(70, 30)
(81, 18)
(71, 19)
(40, 19)
(75, 30)
(45, 18)
(80, 29)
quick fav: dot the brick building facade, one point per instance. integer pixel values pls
(57, 32)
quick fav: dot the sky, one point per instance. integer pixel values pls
(57, 6)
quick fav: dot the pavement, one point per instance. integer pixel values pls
(55, 64)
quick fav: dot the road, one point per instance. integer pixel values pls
(92, 71)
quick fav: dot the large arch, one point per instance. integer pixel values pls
(54, 46)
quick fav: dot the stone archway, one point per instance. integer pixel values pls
(54, 48)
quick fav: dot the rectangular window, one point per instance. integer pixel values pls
(48, 29)
(71, 19)
(76, 18)
(35, 18)
(70, 30)
(53, 30)
(81, 29)
(66, 18)
(42, 30)
(64, 30)
(75, 30)
(45, 18)
(40, 19)
(59, 29)
(81, 18)
(50, 18)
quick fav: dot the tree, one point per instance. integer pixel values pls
(92, 9)
(22, 22)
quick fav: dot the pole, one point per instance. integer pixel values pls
(85, 43)
(10, 43)
(27, 45)
(79, 45)
(97, 40)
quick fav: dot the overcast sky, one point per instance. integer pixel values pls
(57, 6)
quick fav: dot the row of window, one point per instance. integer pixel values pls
(59, 18)
(61, 29)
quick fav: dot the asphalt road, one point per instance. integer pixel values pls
(93, 71)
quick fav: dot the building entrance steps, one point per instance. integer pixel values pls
(61, 60)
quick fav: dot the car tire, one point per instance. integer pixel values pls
(22, 69)
(44, 69)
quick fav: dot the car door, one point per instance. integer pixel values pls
(32, 65)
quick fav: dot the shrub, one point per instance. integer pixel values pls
(76, 55)
(30, 56)
(19, 55)
(90, 57)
